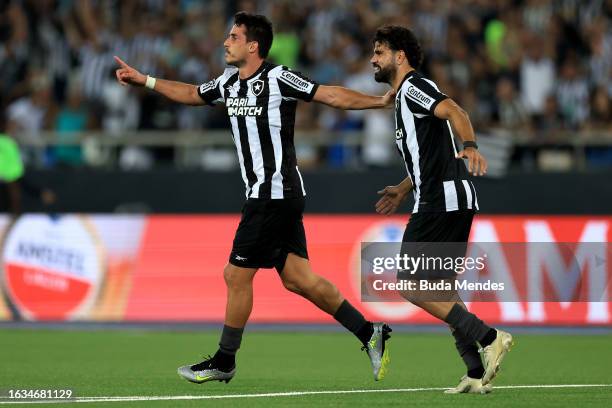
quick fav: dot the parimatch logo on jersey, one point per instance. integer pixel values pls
(240, 107)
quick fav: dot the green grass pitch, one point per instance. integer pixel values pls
(143, 363)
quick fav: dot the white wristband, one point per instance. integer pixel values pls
(150, 82)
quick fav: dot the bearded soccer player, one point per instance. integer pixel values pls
(261, 100)
(445, 199)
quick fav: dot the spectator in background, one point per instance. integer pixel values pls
(536, 15)
(377, 124)
(72, 119)
(430, 23)
(503, 40)
(600, 61)
(321, 29)
(185, 60)
(482, 82)
(13, 51)
(478, 116)
(286, 45)
(537, 77)
(333, 69)
(94, 51)
(30, 115)
(439, 74)
(600, 121)
(459, 64)
(49, 37)
(601, 110)
(510, 111)
(150, 43)
(121, 108)
(550, 122)
(573, 94)
(94, 56)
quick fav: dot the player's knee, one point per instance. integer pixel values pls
(228, 275)
(233, 278)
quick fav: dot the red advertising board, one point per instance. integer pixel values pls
(152, 268)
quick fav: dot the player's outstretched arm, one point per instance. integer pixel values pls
(177, 91)
(393, 196)
(344, 98)
(460, 121)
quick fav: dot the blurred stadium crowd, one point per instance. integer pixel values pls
(535, 67)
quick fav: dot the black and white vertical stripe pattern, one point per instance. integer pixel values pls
(57, 49)
(262, 116)
(459, 194)
(427, 146)
(145, 50)
(96, 66)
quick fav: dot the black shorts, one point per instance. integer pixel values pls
(268, 231)
(425, 234)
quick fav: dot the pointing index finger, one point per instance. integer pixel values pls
(120, 62)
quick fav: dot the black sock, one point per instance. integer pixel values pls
(231, 337)
(468, 351)
(365, 333)
(476, 372)
(489, 338)
(468, 325)
(354, 321)
(224, 361)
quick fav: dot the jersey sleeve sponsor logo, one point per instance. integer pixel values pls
(207, 87)
(420, 97)
(295, 81)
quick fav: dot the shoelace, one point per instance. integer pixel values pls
(207, 363)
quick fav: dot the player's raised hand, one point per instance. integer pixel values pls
(392, 197)
(477, 164)
(127, 75)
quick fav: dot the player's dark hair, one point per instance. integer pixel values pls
(258, 28)
(399, 38)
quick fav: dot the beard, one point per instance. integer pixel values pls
(385, 74)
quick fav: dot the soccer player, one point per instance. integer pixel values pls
(445, 200)
(261, 100)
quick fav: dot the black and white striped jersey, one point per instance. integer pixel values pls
(427, 145)
(261, 109)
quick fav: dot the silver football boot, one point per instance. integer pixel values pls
(205, 371)
(378, 353)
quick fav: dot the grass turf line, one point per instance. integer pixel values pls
(144, 363)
